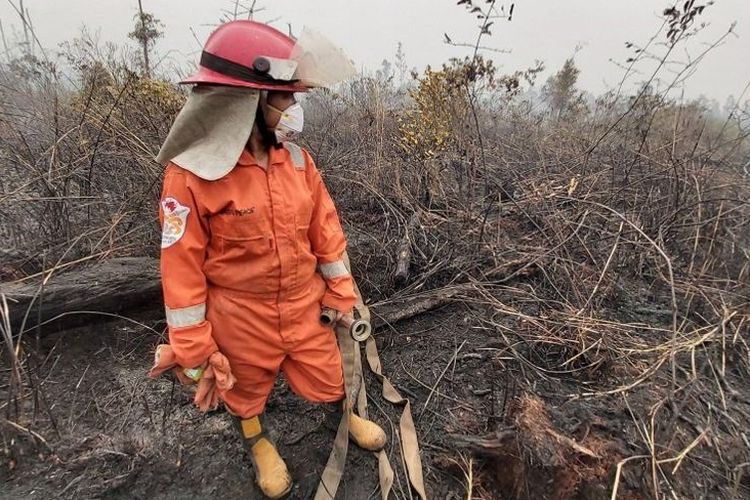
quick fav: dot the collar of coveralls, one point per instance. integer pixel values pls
(276, 156)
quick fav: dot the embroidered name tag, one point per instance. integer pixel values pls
(238, 212)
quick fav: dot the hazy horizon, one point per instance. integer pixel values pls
(370, 32)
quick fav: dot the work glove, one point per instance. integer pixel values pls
(212, 379)
(165, 360)
(216, 379)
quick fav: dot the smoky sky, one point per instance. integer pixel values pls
(594, 32)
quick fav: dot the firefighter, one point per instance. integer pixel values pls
(252, 248)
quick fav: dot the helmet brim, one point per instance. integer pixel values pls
(211, 77)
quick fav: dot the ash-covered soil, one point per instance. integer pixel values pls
(92, 425)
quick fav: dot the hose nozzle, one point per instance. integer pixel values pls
(328, 316)
(359, 329)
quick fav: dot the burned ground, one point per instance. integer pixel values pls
(97, 427)
(566, 288)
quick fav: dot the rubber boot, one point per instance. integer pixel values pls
(365, 433)
(271, 473)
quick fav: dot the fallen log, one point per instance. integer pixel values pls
(120, 285)
(390, 313)
(113, 286)
(126, 284)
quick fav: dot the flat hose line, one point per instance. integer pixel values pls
(356, 393)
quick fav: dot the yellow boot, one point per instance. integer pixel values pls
(271, 473)
(366, 434)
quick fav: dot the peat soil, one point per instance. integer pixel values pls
(92, 425)
(97, 427)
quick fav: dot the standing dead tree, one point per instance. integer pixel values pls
(146, 32)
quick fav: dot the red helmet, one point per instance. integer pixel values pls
(248, 54)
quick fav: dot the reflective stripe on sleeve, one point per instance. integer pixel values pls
(333, 269)
(186, 316)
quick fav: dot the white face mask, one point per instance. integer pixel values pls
(290, 124)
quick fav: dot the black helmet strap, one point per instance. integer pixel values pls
(239, 71)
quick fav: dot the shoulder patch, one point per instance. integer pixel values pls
(298, 159)
(175, 220)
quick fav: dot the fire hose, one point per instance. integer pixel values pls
(358, 328)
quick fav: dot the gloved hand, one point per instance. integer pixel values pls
(213, 378)
(216, 380)
(165, 360)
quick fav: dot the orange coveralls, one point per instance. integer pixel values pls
(247, 261)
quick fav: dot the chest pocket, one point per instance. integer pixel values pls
(240, 237)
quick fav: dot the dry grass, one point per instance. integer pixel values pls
(626, 227)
